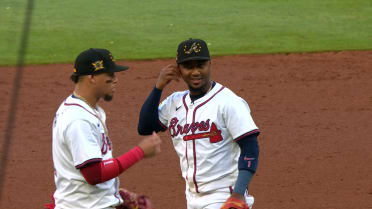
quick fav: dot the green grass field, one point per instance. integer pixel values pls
(145, 29)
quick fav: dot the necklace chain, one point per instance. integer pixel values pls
(84, 100)
(98, 115)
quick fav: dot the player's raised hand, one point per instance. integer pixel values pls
(150, 145)
(167, 74)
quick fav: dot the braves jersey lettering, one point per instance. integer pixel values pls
(175, 128)
(106, 144)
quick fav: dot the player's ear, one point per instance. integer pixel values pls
(92, 78)
(209, 64)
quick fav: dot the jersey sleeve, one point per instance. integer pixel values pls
(83, 142)
(164, 110)
(238, 119)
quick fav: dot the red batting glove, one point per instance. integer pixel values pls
(234, 203)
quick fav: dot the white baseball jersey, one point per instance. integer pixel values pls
(203, 135)
(79, 138)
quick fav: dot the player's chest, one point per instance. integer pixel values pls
(193, 122)
(103, 139)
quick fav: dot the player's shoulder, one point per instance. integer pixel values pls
(178, 95)
(75, 109)
(227, 97)
(225, 92)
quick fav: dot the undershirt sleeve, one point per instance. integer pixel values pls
(149, 115)
(248, 162)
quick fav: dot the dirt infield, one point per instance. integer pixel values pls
(314, 111)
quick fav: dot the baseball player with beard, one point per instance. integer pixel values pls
(86, 174)
(212, 131)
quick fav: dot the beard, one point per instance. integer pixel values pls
(195, 89)
(108, 97)
(202, 89)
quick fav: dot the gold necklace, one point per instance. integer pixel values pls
(97, 114)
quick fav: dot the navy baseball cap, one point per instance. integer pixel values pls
(192, 49)
(96, 61)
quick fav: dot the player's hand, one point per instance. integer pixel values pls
(235, 201)
(134, 201)
(167, 74)
(150, 145)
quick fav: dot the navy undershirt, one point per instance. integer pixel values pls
(149, 115)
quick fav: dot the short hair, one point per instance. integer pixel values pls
(75, 77)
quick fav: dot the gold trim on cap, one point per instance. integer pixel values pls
(111, 57)
(194, 47)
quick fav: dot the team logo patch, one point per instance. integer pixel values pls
(214, 135)
(249, 161)
(195, 47)
(98, 65)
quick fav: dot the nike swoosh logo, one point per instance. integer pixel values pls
(178, 107)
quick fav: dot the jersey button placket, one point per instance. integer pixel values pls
(189, 147)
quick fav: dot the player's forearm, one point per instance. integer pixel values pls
(100, 172)
(244, 178)
(149, 116)
(130, 158)
(247, 163)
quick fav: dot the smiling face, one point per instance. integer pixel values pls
(196, 74)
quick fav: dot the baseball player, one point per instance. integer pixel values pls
(86, 174)
(212, 131)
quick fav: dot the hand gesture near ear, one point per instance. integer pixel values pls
(167, 74)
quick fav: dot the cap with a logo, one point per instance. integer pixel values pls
(96, 61)
(192, 49)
